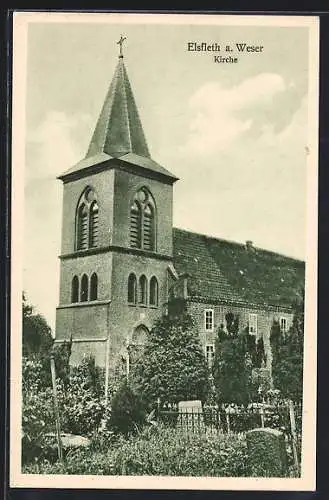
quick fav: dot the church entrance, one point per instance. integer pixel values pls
(137, 343)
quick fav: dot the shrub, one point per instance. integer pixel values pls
(127, 410)
(81, 407)
(173, 366)
(161, 451)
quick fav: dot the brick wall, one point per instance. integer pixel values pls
(103, 184)
(264, 322)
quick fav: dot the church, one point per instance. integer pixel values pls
(121, 257)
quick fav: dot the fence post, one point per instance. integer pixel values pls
(293, 434)
(58, 429)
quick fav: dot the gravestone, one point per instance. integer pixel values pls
(267, 452)
(190, 416)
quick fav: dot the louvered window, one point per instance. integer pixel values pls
(154, 291)
(148, 240)
(93, 224)
(83, 228)
(87, 224)
(142, 221)
(93, 286)
(75, 289)
(84, 288)
(135, 225)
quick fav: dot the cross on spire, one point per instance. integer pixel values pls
(120, 43)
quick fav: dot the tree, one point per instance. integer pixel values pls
(38, 344)
(232, 370)
(37, 338)
(287, 356)
(173, 366)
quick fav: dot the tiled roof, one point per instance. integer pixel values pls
(119, 129)
(224, 270)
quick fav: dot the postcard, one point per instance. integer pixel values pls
(164, 251)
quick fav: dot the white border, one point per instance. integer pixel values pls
(17, 479)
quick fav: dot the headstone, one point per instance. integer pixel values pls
(190, 416)
(267, 452)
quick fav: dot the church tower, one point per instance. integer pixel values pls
(117, 250)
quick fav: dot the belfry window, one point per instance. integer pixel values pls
(93, 286)
(93, 224)
(132, 289)
(84, 288)
(154, 291)
(83, 227)
(142, 221)
(87, 224)
(135, 225)
(143, 290)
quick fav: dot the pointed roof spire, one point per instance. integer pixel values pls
(118, 137)
(119, 129)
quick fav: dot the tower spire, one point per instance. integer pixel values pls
(120, 43)
(119, 129)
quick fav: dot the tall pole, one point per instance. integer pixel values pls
(58, 429)
(294, 435)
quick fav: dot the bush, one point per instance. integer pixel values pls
(81, 407)
(160, 451)
(173, 365)
(127, 410)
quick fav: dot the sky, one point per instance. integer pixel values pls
(234, 134)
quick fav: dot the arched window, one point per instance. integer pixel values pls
(154, 291)
(75, 289)
(132, 289)
(93, 224)
(137, 344)
(93, 286)
(84, 288)
(87, 224)
(135, 225)
(143, 290)
(142, 221)
(82, 227)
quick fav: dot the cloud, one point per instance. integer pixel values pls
(52, 147)
(219, 116)
(255, 190)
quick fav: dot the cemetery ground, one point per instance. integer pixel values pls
(184, 439)
(171, 415)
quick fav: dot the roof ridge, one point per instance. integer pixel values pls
(124, 75)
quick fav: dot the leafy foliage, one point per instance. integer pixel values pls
(287, 362)
(127, 410)
(161, 451)
(172, 366)
(236, 354)
(81, 407)
(37, 338)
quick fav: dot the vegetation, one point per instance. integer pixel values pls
(236, 354)
(172, 366)
(37, 337)
(287, 350)
(159, 451)
(127, 410)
